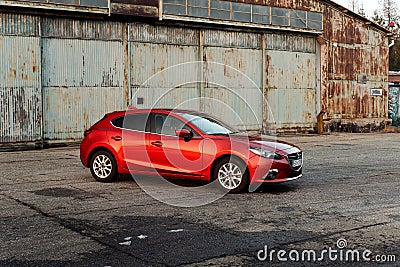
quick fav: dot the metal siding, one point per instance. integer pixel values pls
(158, 76)
(20, 112)
(292, 108)
(187, 97)
(81, 29)
(353, 101)
(19, 24)
(146, 33)
(290, 42)
(20, 88)
(231, 39)
(290, 89)
(233, 85)
(290, 70)
(69, 111)
(353, 49)
(82, 63)
(82, 80)
(20, 62)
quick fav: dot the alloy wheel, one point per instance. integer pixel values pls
(102, 166)
(230, 176)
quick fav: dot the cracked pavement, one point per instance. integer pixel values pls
(53, 213)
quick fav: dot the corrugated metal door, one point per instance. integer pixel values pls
(83, 75)
(290, 81)
(164, 68)
(20, 83)
(232, 78)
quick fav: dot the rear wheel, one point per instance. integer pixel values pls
(103, 166)
(232, 175)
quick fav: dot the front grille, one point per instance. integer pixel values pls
(294, 160)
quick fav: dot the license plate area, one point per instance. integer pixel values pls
(296, 163)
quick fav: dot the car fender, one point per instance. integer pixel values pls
(98, 146)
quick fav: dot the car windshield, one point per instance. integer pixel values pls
(209, 125)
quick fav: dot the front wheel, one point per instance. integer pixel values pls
(232, 175)
(103, 167)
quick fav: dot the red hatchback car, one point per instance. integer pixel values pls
(186, 144)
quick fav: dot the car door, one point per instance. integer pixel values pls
(170, 154)
(132, 133)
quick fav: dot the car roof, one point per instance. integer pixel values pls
(175, 111)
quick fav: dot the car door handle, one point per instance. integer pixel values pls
(117, 138)
(157, 143)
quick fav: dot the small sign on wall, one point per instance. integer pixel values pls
(376, 92)
(362, 78)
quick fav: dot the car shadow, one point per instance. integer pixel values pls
(270, 188)
(277, 189)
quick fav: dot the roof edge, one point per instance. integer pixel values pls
(357, 16)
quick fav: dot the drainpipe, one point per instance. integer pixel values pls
(391, 44)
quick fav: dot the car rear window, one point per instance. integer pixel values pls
(137, 122)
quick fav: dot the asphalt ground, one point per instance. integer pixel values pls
(53, 213)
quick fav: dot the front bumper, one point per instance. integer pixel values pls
(264, 170)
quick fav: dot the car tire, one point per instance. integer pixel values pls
(232, 175)
(103, 166)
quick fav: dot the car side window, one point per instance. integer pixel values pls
(168, 125)
(136, 122)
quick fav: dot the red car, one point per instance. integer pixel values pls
(185, 144)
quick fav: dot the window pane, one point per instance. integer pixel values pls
(314, 16)
(298, 14)
(315, 25)
(220, 5)
(237, 16)
(135, 122)
(198, 3)
(280, 12)
(174, 10)
(94, 3)
(118, 122)
(218, 14)
(241, 7)
(282, 21)
(175, 2)
(261, 19)
(298, 23)
(198, 12)
(168, 125)
(280, 16)
(65, 2)
(262, 10)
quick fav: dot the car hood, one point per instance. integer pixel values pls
(265, 142)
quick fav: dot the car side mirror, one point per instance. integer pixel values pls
(183, 133)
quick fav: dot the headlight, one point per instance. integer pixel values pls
(266, 153)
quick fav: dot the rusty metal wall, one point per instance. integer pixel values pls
(20, 83)
(163, 68)
(230, 82)
(83, 75)
(355, 60)
(82, 29)
(290, 83)
(233, 90)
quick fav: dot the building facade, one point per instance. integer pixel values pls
(276, 64)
